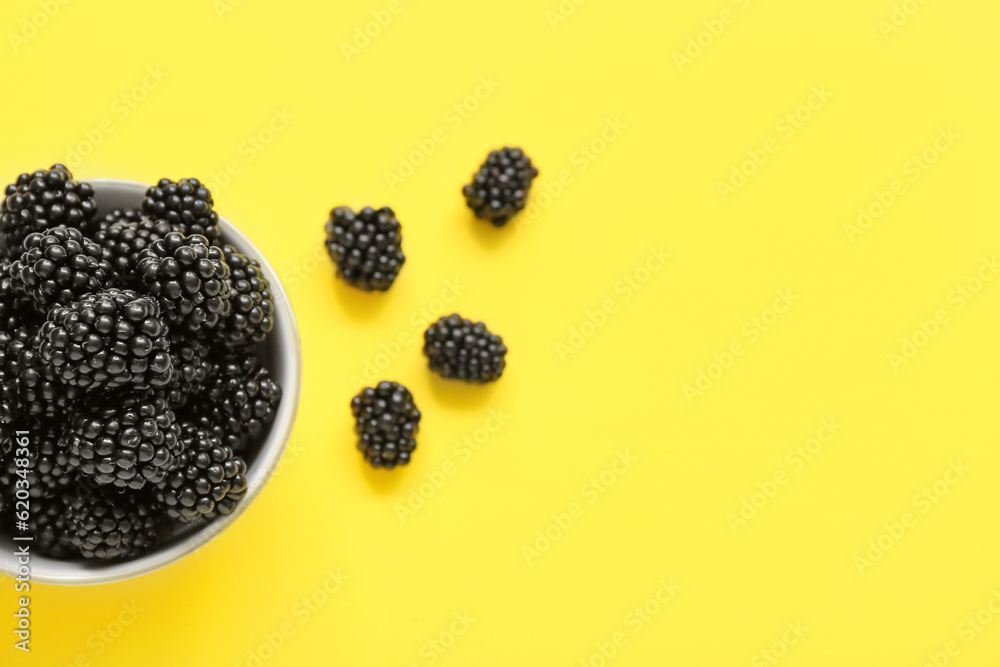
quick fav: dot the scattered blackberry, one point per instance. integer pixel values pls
(121, 243)
(189, 277)
(42, 200)
(125, 441)
(58, 267)
(208, 481)
(48, 471)
(109, 525)
(499, 189)
(459, 349)
(386, 421)
(40, 392)
(367, 246)
(107, 340)
(239, 401)
(186, 203)
(47, 527)
(191, 370)
(252, 316)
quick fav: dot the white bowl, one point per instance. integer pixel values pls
(282, 355)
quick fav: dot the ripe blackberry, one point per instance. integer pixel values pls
(239, 401)
(109, 525)
(191, 369)
(42, 200)
(107, 340)
(9, 399)
(386, 421)
(58, 267)
(40, 392)
(459, 349)
(252, 316)
(126, 441)
(186, 203)
(48, 471)
(16, 308)
(119, 215)
(121, 243)
(47, 527)
(208, 481)
(499, 189)
(367, 246)
(189, 277)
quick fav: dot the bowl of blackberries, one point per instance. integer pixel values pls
(149, 375)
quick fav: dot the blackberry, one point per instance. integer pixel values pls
(367, 246)
(40, 392)
(239, 401)
(9, 400)
(191, 370)
(16, 308)
(190, 279)
(58, 267)
(252, 316)
(121, 243)
(107, 525)
(118, 215)
(48, 471)
(209, 480)
(386, 421)
(42, 200)
(186, 203)
(499, 189)
(459, 349)
(125, 441)
(107, 340)
(6, 446)
(47, 527)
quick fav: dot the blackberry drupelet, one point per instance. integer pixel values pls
(190, 279)
(209, 480)
(48, 471)
(499, 189)
(239, 401)
(191, 369)
(109, 525)
(58, 267)
(127, 441)
(459, 349)
(367, 246)
(42, 200)
(122, 242)
(107, 340)
(187, 203)
(386, 421)
(252, 315)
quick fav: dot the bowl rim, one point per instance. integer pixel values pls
(268, 459)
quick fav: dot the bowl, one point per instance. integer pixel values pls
(282, 354)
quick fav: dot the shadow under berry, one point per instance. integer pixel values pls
(462, 395)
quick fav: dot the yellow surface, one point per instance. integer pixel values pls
(794, 578)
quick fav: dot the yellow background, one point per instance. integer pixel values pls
(656, 184)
